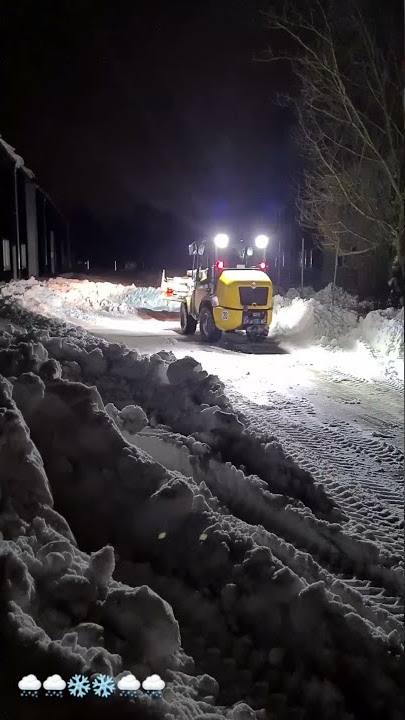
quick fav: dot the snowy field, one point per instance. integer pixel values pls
(227, 517)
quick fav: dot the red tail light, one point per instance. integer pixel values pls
(262, 265)
(169, 291)
(219, 264)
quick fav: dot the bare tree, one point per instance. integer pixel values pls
(350, 122)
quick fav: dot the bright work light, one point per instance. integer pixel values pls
(221, 240)
(261, 242)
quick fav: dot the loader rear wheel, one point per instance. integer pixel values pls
(208, 330)
(188, 324)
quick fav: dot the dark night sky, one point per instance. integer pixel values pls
(128, 103)
(118, 103)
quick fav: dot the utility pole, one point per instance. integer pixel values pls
(302, 260)
(279, 264)
(335, 271)
(17, 222)
(68, 247)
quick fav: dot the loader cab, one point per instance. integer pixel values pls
(209, 261)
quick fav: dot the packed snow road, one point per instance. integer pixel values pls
(346, 430)
(259, 514)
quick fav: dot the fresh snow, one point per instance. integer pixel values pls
(334, 322)
(72, 299)
(383, 332)
(225, 533)
(327, 319)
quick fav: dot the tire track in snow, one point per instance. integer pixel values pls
(352, 478)
(312, 550)
(361, 472)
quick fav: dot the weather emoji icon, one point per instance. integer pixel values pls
(103, 686)
(129, 686)
(29, 686)
(54, 686)
(79, 686)
(153, 686)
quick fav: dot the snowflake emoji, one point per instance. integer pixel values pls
(103, 686)
(78, 686)
(29, 686)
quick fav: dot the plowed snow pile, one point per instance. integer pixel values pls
(322, 320)
(146, 528)
(309, 322)
(72, 299)
(316, 319)
(383, 332)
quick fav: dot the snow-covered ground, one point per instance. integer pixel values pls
(80, 299)
(232, 521)
(313, 319)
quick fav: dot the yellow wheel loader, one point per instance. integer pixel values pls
(227, 289)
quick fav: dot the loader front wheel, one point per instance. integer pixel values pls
(208, 330)
(188, 324)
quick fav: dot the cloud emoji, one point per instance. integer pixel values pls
(153, 682)
(29, 682)
(129, 682)
(54, 682)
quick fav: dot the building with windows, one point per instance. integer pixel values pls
(34, 235)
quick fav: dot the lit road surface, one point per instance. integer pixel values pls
(336, 414)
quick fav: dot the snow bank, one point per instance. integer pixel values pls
(301, 318)
(332, 320)
(75, 299)
(210, 558)
(309, 322)
(330, 295)
(383, 332)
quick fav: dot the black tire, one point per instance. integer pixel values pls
(188, 324)
(208, 330)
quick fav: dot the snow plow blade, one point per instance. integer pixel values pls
(175, 288)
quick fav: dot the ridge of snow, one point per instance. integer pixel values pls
(297, 321)
(77, 299)
(207, 548)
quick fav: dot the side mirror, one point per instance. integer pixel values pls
(192, 249)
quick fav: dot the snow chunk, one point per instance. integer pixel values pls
(132, 418)
(182, 370)
(101, 566)
(383, 332)
(145, 619)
